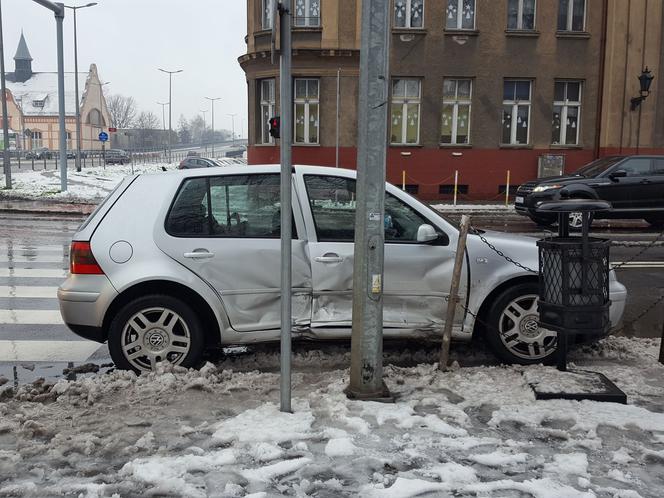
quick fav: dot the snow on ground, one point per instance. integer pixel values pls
(473, 431)
(91, 185)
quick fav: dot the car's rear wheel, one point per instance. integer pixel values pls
(513, 331)
(655, 221)
(155, 328)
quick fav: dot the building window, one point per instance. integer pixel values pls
(307, 13)
(566, 113)
(409, 13)
(460, 14)
(405, 112)
(95, 118)
(268, 109)
(521, 14)
(455, 127)
(516, 111)
(38, 103)
(306, 110)
(267, 14)
(572, 15)
(37, 142)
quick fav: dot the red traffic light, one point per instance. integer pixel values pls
(275, 123)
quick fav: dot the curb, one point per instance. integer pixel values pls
(45, 207)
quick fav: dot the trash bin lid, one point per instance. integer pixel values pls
(572, 205)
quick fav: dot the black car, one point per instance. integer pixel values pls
(42, 153)
(116, 156)
(197, 162)
(634, 185)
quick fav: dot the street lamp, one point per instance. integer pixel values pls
(78, 104)
(645, 80)
(170, 106)
(212, 100)
(204, 128)
(163, 119)
(233, 126)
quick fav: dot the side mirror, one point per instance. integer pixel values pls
(619, 173)
(426, 233)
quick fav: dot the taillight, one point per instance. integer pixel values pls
(82, 261)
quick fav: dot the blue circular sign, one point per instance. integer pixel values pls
(103, 136)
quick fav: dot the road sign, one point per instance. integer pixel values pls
(103, 136)
(112, 130)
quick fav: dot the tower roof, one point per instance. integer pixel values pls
(22, 52)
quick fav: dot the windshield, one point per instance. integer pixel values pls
(598, 166)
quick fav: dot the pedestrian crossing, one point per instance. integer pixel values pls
(34, 257)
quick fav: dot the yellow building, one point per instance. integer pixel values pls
(32, 106)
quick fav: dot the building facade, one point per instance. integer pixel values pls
(32, 106)
(478, 87)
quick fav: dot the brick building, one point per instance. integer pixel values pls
(477, 86)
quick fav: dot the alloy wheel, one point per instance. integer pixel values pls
(520, 331)
(576, 220)
(155, 334)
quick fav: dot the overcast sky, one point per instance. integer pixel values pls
(130, 39)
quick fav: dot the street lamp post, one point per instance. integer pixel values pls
(78, 104)
(163, 118)
(170, 107)
(232, 125)
(5, 119)
(204, 128)
(212, 100)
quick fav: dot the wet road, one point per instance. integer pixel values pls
(34, 252)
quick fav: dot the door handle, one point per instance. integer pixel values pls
(329, 258)
(199, 254)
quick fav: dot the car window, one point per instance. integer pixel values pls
(636, 166)
(658, 166)
(188, 216)
(332, 202)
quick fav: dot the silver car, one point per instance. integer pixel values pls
(171, 264)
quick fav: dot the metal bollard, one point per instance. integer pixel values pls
(44, 162)
(56, 162)
(33, 164)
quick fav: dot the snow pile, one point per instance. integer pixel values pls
(473, 431)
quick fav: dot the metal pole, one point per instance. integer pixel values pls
(366, 368)
(233, 126)
(170, 115)
(453, 298)
(78, 105)
(5, 118)
(336, 159)
(59, 21)
(286, 96)
(212, 101)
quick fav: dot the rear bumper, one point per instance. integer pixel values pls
(618, 297)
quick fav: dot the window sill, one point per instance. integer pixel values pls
(563, 147)
(573, 34)
(304, 145)
(265, 145)
(515, 146)
(263, 32)
(307, 29)
(410, 146)
(461, 32)
(409, 31)
(455, 146)
(522, 33)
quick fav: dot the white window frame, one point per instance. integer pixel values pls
(570, 16)
(266, 14)
(515, 113)
(37, 140)
(308, 19)
(306, 101)
(519, 18)
(404, 102)
(271, 106)
(455, 111)
(409, 12)
(459, 19)
(565, 105)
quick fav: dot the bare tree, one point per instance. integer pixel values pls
(122, 110)
(147, 129)
(147, 121)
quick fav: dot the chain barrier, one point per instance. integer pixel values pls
(429, 184)
(501, 253)
(653, 243)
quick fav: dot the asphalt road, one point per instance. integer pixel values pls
(34, 253)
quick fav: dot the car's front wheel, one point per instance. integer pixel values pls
(513, 327)
(155, 328)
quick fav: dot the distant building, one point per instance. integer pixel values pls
(477, 86)
(32, 106)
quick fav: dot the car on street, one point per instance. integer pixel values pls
(41, 153)
(197, 162)
(193, 153)
(197, 267)
(237, 152)
(634, 185)
(116, 156)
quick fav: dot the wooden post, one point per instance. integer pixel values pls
(403, 180)
(456, 182)
(507, 190)
(454, 292)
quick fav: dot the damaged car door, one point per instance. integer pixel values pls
(417, 274)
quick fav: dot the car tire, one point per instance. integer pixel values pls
(162, 326)
(513, 331)
(655, 221)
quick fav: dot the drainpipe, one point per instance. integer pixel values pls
(602, 80)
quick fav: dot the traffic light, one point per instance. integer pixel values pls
(275, 123)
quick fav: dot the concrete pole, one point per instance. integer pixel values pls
(59, 21)
(366, 368)
(78, 104)
(336, 155)
(286, 97)
(170, 116)
(5, 118)
(212, 101)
